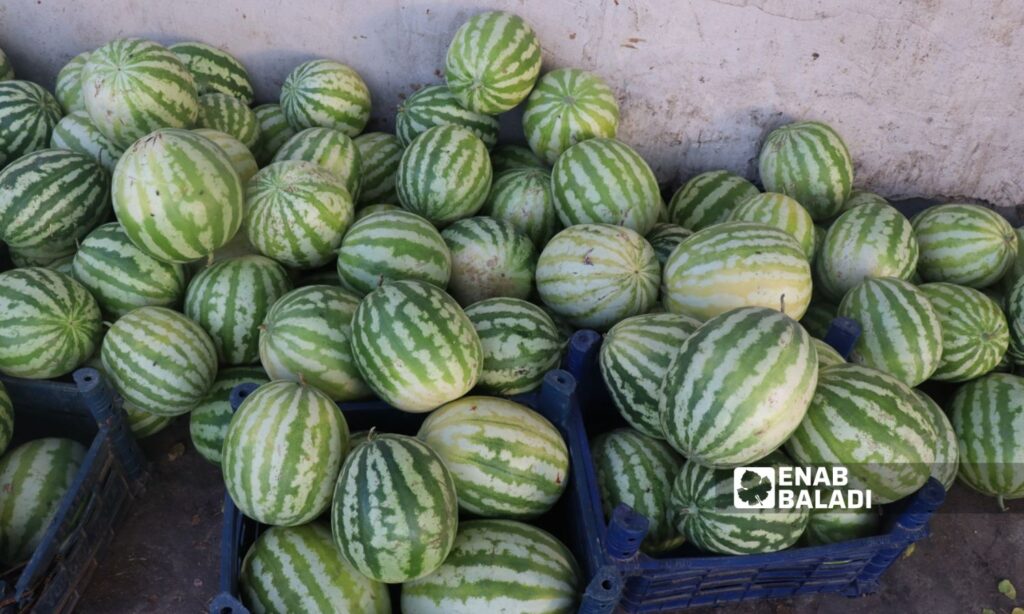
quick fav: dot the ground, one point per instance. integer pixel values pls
(165, 558)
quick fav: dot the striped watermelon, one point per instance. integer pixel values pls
(6, 419)
(975, 334)
(708, 199)
(827, 355)
(520, 344)
(307, 337)
(282, 453)
(330, 149)
(34, 478)
(49, 323)
(51, 198)
(241, 157)
(808, 161)
(637, 470)
(507, 460)
(379, 154)
(209, 420)
(967, 245)
(297, 213)
(862, 197)
(634, 358)
(664, 238)
(6, 70)
(28, 114)
(1015, 316)
(177, 195)
(144, 424)
(871, 240)
(391, 246)
(68, 88)
(76, 132)
(214, 70)
(738, 387)
(159, 360)
(273, 133)
(436, 105)
(499, 566)
(947, 449)
(298, 569)
(395, 512)
(37, 256)
(229, 115)
(132, 87)
(230, 300)
(567, 106)
(988, 417)
(328, 94)
(839, 525)
(819, 240)
(444, 175)
(737, 264)
(703, 511)
(414, 346)
(490, 258)
(379, 208)
(492, 62)
(901, 333)
(605, 181)
(782, 212)
(522, 197)
(853, 405)
(818, 317)
(595, 275)
(123, 277)
(511, 157)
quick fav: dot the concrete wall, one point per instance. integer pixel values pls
(927, 93)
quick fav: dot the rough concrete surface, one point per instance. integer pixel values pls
(926, 92)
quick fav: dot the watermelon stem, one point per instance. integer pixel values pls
(371, 434)
(1002, 506)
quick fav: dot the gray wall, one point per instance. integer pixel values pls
(927, 93)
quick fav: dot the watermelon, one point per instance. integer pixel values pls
(306, 336)
(838, 525)
(1015, 316)
(282, 453)
(6, 70)
(230, 299)
(520, 344)
(871, 240)
(664, 238)
(209, 420)
(634, 358)
(34, 478)
(414, 346)
(144, 424)
(274, 131)
(565, 329)
(49, 323)
(132, 87)
(177, 195)
(492, 62)
(28, 114)
(227, 114)
(37, 256)
(862, 197)
(962, 244)
(703, 511)
(330, 149)
(391, 246)
(511, 157)
(988, 418)
(298, 569)
(436, 105)
(522, 197)
(490, 258)
(51, 198)
(737, 264)
(782, 212)
(604, 181)
(379, 154)
(6, 419)
(947, 450)
(854, 404)
(827, 355)
(595, 275)
(214, 70)
(818, 317)
(708, 199)
(507, 460)
(76, 132)
(68, 88)
(378, 208)
(444, 174)
(395, 512)
(567, 106)
(241, 157)
(974, 330)
(637, 470)
(328, 94)
(159, 360)
(819, 240)
(808, 161)
(901, 333)
(123, 277)
(499, 566)
(297, 213)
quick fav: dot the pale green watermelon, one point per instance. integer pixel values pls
(490, 258)
(513, 157)
(380, 154)
(975, 335)
(227, 114)
(522, 197)
(28, 114)
(143, 424)
(76, 132)
(436, 105)
(808, 161)
(827, 355)
(862, 197)
(328, 94)
(782, 212)
(708, 199)
(241, 157)
(329, 148)
(273, 133)
(962, 244)
(567, 106)
(68, 88)
(947, 451)
(214, 70)
(664, 238)
(209, 420)
(1015, 317)
(839, 525)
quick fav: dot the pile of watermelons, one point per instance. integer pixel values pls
(183, 241)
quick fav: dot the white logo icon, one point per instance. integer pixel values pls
(753, 488)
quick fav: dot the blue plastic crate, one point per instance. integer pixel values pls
(108, 483)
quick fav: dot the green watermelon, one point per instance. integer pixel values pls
(513, 157)
(144, 424)
(522, 197)
(227, 114)
(862, 197)
(827, 355)
(76, 132)
(808, 161)
(490, 258)
(839, 525)
(708, 199)
(782, 212)
(328, 94)
(329, 148)
(975, 334)
(6, 419)
(379, 208)
(967, 245)
(6, 70)
(567, 106)
(241, 157)
(28, 114)
(947, 450)
(436, 105)
(664, 238)
(273, 133)
(68, 88)
(23, 258)
(209, 420)
(214, 70)
(380, 154)
(818, 317)
(1015, 317)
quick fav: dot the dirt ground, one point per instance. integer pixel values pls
(165, 558)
